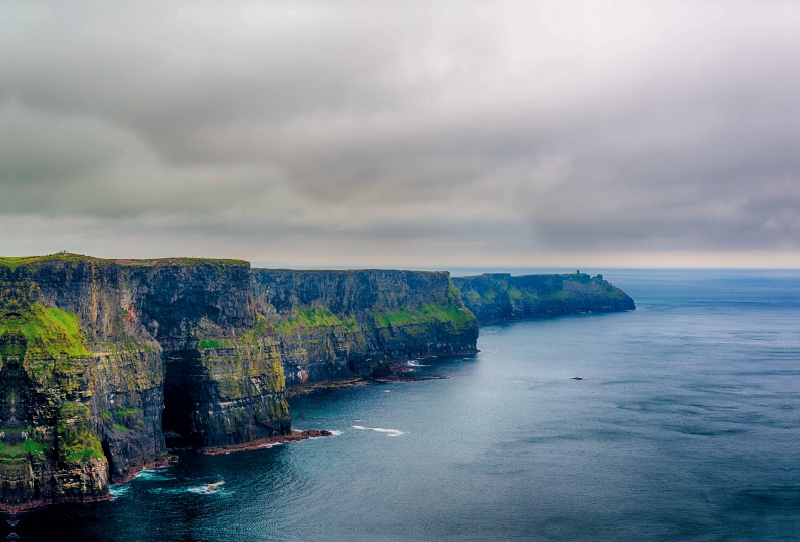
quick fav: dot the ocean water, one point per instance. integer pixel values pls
(686, 426)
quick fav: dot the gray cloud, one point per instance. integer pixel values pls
(385, 132)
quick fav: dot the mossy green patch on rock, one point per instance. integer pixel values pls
(34, 448)
(307, 317)
(76, 440)
(240, 372)
(425, 313)
(215, 343)
(49, 332)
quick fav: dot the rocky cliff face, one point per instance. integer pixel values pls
(106, 363)
(338, 324)
(93, 351)
(498, 297)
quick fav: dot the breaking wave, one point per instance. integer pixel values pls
(118, 490)
(156, 475)
(207, 489)
(389, 432)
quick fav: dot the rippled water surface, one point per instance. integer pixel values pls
(685, 427)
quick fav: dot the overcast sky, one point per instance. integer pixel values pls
(381, 133)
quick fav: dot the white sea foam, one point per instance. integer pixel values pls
(415, 363)
(389, 432)
(207, 489)
(201, 490)
(335, 433)
(153, 475)
(117, 490)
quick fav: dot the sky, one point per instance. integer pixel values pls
(404, 133)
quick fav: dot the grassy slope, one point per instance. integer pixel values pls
(425, 313)
(49, 332)
(13, 262)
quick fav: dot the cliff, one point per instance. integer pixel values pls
(93, 351)
(106, 363)
(339, 324)
(498, 297)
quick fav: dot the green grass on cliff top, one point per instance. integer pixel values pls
(311, 317)
(48, 331)
(425, 313)
(14, 262)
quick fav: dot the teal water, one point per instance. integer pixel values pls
(685, 427)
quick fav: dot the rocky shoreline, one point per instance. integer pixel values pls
(295, 436)
(152, 465)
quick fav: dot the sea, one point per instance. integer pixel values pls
(678, 421)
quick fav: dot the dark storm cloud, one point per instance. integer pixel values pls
(364, 130)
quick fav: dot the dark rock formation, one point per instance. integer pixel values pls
(499, 296)
(87, 346)
(340, 324)
(103, 359)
